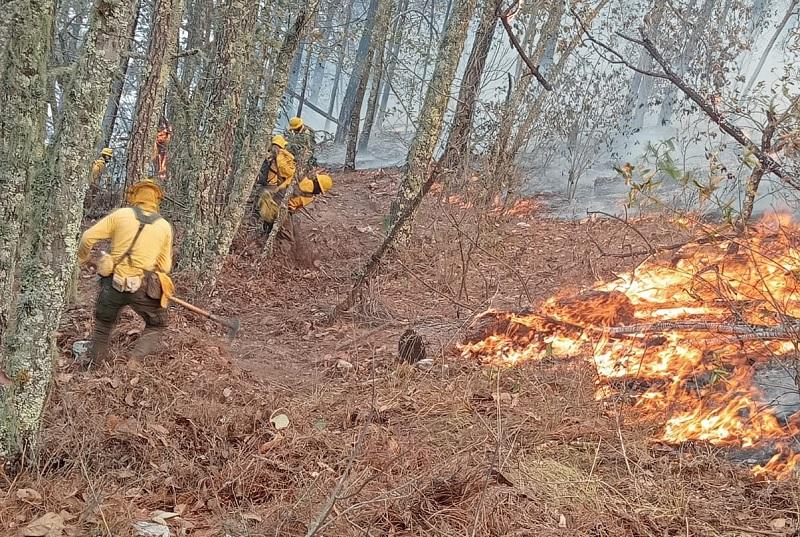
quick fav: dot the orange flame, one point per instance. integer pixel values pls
(668, 323)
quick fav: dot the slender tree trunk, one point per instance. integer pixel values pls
(397, 38)
(359, 65)
(381, 36)
(223, 107)
(58, 210)
(321, 59)
(117, 85)
(23, 112)
(689, 47)
(790, 11)
(355, 116)
(502, 156)
(754, 181)
(152, 92)
(340, 60)
(457, 150)
(302, 98)
(432, 114)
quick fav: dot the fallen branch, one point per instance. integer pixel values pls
(750, 331)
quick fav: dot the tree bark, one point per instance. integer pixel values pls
(456, 153)
(431, 115)
(753, 182)
(397, 39)
(502, 157)
(150, 101)
(23, 113)
(381, 36)
(340, 60)
(355, 115)
(118, 84)
(216, 144)
(359, 65)
(244, 177)
(57, 213)
(778, 31)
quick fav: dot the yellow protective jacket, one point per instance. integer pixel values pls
(281, 169)
(152, 251)
(309, 189)
(98, 167)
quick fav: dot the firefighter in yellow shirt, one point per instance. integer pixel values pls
(135, 272)
(276, 175)
(95, 173)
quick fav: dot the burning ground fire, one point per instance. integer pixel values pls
(705, 337)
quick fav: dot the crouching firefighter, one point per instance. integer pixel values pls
(136, 272)
(308, 189)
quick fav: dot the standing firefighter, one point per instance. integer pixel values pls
(302, 143)
(135, 274)
(95, 173)
(276, 174)
(163, 137)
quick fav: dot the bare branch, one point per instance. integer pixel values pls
(504, 17)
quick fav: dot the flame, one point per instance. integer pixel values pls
(693, 328)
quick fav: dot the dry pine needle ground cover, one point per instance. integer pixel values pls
(197, 436)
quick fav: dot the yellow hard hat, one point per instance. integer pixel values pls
(295, 123)
(325, 181)
(279, 140)
(145, 191)
(106, 152)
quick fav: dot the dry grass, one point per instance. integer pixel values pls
(457, 450)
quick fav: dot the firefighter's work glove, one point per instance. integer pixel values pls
(167, 288)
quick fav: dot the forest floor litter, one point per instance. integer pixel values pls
(251, 438)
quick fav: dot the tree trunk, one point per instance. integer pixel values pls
(244, 177)
(790, 11)
(57, 213)
(321, 59)
(685, 59)
(502, 157)
(302, 98)
(397, 39)
(381, 36)
(150, 101)
(117, 85)
(340, 60)
(432, 114)
(222, 108)
(355, 116)
(23, 112)
(456, 153)
(359, 65)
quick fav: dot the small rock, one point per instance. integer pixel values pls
(151, 529)
(80, 349)
(425, 363)
(344, 365)
(778, 524)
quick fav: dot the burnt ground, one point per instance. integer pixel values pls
(456, 449)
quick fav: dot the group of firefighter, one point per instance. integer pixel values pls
(135, 272)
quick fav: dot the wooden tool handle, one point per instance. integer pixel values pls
(190, 307)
